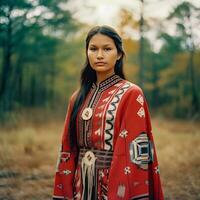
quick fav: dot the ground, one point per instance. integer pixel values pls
(28, 154)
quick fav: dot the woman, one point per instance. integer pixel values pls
(107, 149)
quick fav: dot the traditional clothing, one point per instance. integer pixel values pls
(116, 157)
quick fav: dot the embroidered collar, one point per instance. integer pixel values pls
(108, 82)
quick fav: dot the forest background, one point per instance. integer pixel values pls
(42, 52)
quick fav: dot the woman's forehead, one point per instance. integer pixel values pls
(101, 40)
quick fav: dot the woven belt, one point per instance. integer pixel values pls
(103, 158)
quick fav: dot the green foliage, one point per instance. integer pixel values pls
(42, 53)
(31, 33)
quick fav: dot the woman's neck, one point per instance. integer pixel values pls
(102, 76)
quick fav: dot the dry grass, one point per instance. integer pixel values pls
(28, 156)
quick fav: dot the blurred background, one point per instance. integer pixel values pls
(42, 51)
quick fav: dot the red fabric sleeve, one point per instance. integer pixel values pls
(135, 179)
(64, 176)
(155, 187)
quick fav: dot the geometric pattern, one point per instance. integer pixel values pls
(141, 151)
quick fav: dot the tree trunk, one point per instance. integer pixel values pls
(141, 49)
(195, 100)
(6, 71)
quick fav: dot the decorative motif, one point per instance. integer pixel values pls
(62, 157)
(110, 116)
(140, 99)
(141, 151)
(141, 112)
(121, 191)
(111, 92)
(60, 186)
(98, 132)
(101, 107)
(77, 196)
(101, 174)
(123, 133)
(127, 170)
(87, 113)
(99, 114)
(157, 170)
(118, 84)
(106, 99)
(66, 172)
(65, 156)
(89, 158)
(88, 172)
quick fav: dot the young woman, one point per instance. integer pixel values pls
(107, 149)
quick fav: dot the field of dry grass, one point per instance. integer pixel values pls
(28, 155)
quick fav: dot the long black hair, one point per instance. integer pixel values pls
(88, 75)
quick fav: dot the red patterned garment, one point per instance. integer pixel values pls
(116, 158)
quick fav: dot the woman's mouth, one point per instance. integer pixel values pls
(100, 63)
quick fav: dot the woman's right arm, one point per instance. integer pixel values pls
(64, 176)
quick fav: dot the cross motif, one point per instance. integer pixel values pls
(157, 171)
(66, 172)
(123, 134)
(127, 170)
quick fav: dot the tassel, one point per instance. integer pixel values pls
(88, 171)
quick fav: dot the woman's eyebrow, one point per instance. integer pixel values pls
(102, 45)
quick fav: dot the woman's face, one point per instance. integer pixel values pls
(102, 53)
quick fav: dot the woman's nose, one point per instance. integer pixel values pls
(99, 54)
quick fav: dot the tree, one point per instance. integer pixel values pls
(183, 15)
(29, 34)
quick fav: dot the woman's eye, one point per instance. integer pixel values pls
(107, 49)
(92, 49)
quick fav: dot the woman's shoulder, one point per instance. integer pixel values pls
(133, 88)
(74, 95)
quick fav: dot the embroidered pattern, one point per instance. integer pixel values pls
(141, 151)
(60, 186)
(157, 170)
(62, 157)
(98, 132)
(123, 133)
(140, 99)
(121, 191)
(101, 174)
(141, 112)
(66, 172)
(127, 170)
(110, 116)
